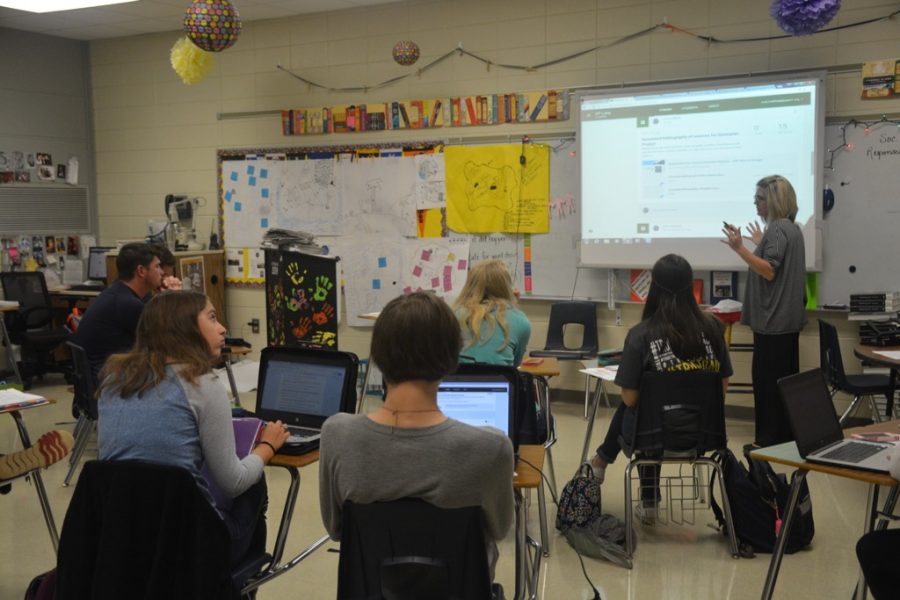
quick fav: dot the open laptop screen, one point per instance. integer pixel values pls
(303, 388)
(477, 400)
(810, 411)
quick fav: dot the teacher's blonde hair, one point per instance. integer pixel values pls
(781, 200)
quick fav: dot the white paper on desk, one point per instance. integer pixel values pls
(605, 373)
(246, 375)
(12, 396)
(891, 354)
(9, 304)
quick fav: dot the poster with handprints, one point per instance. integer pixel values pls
(302, 293)
(504, 188)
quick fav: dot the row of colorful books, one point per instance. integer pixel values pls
(462, 111)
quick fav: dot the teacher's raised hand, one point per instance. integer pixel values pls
(754, 232)
(732, 236)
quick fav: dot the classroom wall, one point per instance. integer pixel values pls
(155, 135)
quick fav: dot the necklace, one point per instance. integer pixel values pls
(395, 412)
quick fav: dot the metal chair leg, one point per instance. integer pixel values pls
(850, 409)
(551, 474)
(542, 513)
(876, 414)
(80, 444)
(726, 505)
(76, 433)
(629, 513)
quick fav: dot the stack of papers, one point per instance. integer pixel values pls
(607, 373)
(10, 399)
(288, 239)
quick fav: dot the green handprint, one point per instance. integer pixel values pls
(323, 286)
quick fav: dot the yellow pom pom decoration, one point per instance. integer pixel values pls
(190, 62)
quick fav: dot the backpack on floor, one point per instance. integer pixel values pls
(42, 587)
(579, 502)
(758, 498)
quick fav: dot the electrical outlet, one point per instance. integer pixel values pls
(618, 317)
(254, 325)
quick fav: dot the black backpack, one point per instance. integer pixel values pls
(758, 498)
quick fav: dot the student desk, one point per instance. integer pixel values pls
(35, 474)
(292, 464)
(528, 563)
(870, 354)
(787, 454)
(548, 367)
(601, 374)
(229, 352)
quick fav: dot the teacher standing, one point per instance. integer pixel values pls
(774, 301)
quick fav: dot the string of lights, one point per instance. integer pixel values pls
(664, 25)
(869, 127)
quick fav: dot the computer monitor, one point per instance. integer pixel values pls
(97, 263)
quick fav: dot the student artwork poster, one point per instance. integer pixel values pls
(503, 188)
(375, 271)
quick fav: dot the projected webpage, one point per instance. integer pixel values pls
(674, 165)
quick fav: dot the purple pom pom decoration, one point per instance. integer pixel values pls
(803, 17)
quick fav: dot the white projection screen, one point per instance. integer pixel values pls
(663, 166)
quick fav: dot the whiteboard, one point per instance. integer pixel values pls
(861, 231)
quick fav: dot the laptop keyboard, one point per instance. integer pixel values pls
(853, 452)
(301, 434)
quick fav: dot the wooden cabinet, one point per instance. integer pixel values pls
(205, 269)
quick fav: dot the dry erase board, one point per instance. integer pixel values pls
(860, 249)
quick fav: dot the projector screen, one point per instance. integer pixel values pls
(662, 167)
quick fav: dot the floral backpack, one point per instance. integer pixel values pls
(579, 502)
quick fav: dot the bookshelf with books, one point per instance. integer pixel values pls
(462, 111)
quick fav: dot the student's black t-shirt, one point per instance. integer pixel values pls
(109, 325)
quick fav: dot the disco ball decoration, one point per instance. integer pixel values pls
(803, 17)
(213, 25)
(405, 53)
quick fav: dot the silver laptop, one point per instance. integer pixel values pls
(817, 430)
(303, 387)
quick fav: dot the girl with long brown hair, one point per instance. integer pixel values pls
(161, 403)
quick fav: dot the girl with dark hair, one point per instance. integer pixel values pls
(161, 403)
(673, 335)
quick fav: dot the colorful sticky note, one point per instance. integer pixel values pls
(435, 282)
(407, 291)
(234, 176)
(417, 271)
(426, 255)
(462, 264)
(447, 271)
(382, 262)
(251, 169)
(228, 196)
(237, 207)
(451, 257)
(265, 192)
(263, 173)
(376, 284)
(264, 222)
(251, 181)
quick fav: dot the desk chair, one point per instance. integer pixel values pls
(409, 549)
(31, 327)
(859, 386)
(680, 417)
(563, 314)
(144, 531)
(84, 404)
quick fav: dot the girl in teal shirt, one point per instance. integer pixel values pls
(494, 330)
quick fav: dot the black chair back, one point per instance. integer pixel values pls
(572, 313)
(409, 549)
(680, 412)
(830, 360)
(29, 289)
(142, 531)
(85, 384)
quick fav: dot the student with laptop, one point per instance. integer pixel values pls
(674, 335)
(409, 448)
(161, 403)
(494, 330)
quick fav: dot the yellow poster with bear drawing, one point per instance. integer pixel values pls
(503, 188)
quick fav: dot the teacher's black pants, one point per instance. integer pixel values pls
(879, 555)
(774, 357)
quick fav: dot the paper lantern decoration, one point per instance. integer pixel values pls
(803, 17)
(405, 53)
(190, 62)
(213, 25)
